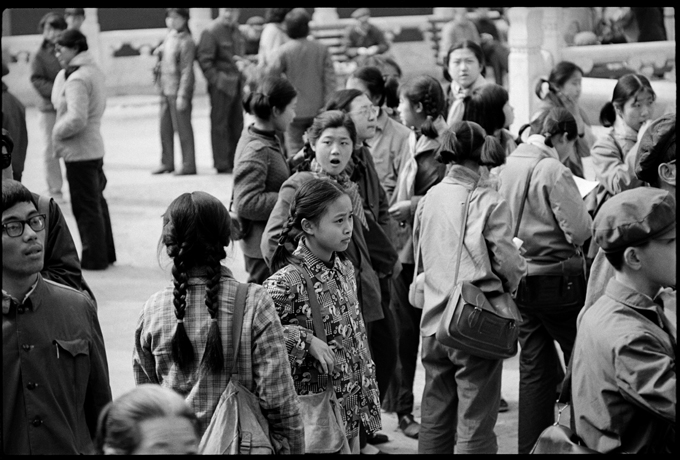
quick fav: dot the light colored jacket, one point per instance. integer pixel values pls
(273, 36)
(389, 149)
(555, 219)
(489, 259)
(178, 52)
(80, 101)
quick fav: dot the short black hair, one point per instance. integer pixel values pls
(14, 192)
(297, 23)
(54, 20)
(72, 38)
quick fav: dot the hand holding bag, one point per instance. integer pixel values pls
(321, 416)
(237, 425)
(559, 439)
(482, 324)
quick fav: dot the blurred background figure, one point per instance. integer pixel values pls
(252, 32)
(74, 17)
(147, 420)
(44, 69)
(176, 84)
(79, 96)
(14, 121)
(495, 51)
(363, 39)
(308, 65)
(273, 34)
(458, 30)
(219, 54)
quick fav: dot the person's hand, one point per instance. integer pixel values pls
(182, 104)
(323, 353)
(362, 51)
(373, 50)
(400, 211)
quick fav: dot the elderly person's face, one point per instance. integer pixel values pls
(65, 54)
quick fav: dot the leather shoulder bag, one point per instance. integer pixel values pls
(321, 412)
(482, 324)
(237, 425)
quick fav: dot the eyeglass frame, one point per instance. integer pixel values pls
(23, 225)
(364, 111)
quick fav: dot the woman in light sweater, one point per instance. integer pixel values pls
(79, 96)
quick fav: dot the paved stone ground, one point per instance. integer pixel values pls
(136, 201)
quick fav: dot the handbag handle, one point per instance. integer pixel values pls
(313, 304)
(239, 309)
(461, 242)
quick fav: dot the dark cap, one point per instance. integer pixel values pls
(634, 217)
(361, 12)
(656, 146)
(74, 11)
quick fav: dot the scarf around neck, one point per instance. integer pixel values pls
(351, 188)
(457, 109)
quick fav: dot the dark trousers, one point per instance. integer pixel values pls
(86, 182)
(293, 135)
(496, 55)
(226, 124)
(257, 269)
(549, 307)
(176, 120)
(382, 341)
(399, 396)
(460, 401)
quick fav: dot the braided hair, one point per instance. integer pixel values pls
(196, 229)
(467, 140)
(310, 202)
(425, 90)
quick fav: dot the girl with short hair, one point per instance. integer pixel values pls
(465, 68)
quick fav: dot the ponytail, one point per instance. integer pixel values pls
(213, 357)
(271, 92)
(467, 140)
(282, 255)
(608, 115)
(626, 88)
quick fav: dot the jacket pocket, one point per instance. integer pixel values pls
(74, 363)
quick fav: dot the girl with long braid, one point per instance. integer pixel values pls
(183, 337)
(421, 105)
(321, 222)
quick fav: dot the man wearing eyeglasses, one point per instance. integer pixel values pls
(55, 371)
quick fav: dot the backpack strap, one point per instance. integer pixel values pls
(313, 303)
(524, 196)
(237, 326)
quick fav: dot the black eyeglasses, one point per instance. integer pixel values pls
(15, 228)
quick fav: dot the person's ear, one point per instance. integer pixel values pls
(631, 258)
(418, 108)
(667, 173)
(307, 226)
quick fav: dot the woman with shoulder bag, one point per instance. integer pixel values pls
(316, 297)
(553, 224)
(462, 391)
(183, 337)
(261, 167)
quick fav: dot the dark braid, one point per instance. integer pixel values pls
(182, 350)
(213, 357)
(282, 254)
(430, 109)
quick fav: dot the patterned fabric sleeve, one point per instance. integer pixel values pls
(285, 291)
(143, 362)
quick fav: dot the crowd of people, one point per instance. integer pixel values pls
(343, 199)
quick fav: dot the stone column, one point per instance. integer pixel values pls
(447, 13)
(669, 20)
(553, 40)
(325, 15)
(91, 30)
(525, 61)
(199, 18)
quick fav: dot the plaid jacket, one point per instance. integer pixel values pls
(354, 376)
(262, 362)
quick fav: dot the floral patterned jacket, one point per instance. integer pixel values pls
(354, 375)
